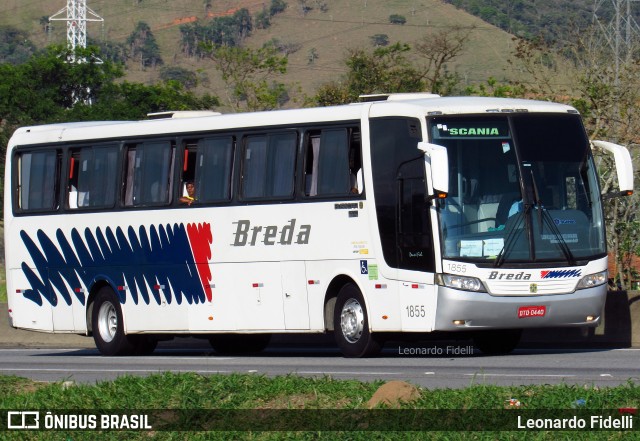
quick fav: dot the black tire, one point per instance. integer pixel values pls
(351, 324)
(231, 344)
(107, 325)
(498, 342)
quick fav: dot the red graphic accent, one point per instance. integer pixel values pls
(200, 238)
(543, 274)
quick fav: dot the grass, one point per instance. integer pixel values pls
(191, 403)
(3, 285)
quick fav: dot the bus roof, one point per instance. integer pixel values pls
(419, 104)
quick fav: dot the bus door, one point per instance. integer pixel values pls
(405, 232)
(414, 249)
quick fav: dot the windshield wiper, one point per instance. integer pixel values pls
(512, 235)
(543, 213)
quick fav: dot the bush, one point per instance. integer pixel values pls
(397, 19)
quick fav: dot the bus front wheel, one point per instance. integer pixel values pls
(351, 324)
(107, 325)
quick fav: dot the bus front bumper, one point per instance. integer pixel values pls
(464, 310)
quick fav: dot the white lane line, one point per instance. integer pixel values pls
(345, 373)
(479, 374)
(124, 371)
(146, 357)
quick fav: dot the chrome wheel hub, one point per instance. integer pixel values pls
(352, 320)
(107, 322)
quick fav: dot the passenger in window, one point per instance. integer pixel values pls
(190, 197)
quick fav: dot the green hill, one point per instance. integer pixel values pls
(325, 28)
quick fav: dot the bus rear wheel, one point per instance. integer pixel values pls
(497, 342)
(351, 324)
(107, 325)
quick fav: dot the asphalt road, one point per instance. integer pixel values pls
(599, 367)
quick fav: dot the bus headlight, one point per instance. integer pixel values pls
(593, 280)
(460, 282)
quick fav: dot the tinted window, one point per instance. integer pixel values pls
(38, 180)
(214, 160)
(333, 164)
(268, 168)
(148, 174)
(93, 177)
(399, 186)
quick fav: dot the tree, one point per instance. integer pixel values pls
(183, 76)
(438, 49)
(198, 39)
(144, 46)
(379, 40)
(397, 19)
(312, 55)
(110, 50)
(47, 89)
(263, 19)
(385, 70)
(15, 46)
(248, 73)
(277, 6)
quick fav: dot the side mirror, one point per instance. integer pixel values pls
(624, 166)
(436, 156)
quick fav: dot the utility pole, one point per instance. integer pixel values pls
(77, 15)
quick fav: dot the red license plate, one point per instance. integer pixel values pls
(531, 311)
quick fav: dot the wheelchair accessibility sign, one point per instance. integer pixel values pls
(364, 267)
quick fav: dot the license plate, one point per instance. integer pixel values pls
(531, 311)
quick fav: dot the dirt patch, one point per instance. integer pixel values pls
(393, 393)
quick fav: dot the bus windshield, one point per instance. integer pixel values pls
(523, 188)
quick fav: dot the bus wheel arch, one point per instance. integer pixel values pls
(107, 324)
(90, 302)
(330, 298)
(350, 320)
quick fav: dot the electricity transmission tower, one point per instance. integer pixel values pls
(77, 16)
(619, 27)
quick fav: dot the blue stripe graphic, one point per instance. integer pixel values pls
(160, 256)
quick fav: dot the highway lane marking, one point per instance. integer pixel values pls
(84, 371)
(345, 373)
(519, 375)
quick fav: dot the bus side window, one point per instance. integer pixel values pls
(92, 177)
(148, 174)
(72, 188)
(213, 166)
(188, 174)
(268, 168)
(38, 180)
(333, 164)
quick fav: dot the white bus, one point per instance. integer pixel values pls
(401, 215)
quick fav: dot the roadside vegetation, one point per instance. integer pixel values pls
(190, 403)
